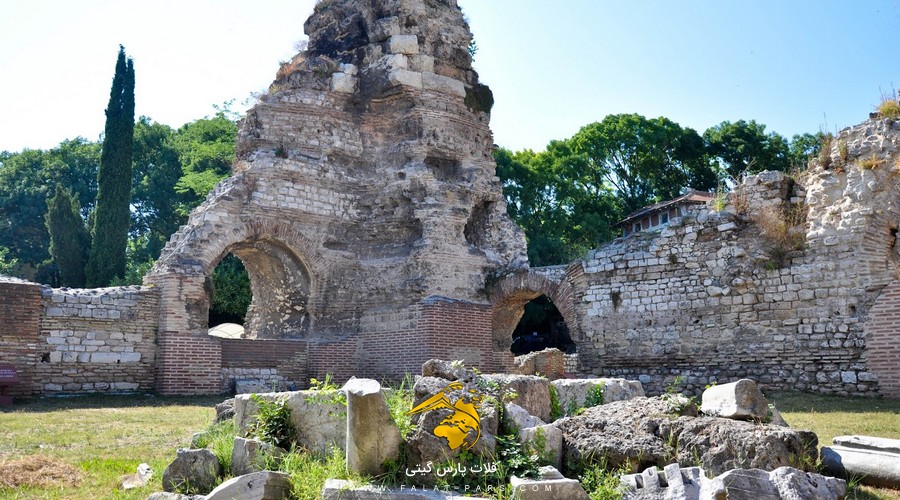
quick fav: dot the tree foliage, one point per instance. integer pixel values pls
(205, 149)
(69, 237)
(112, 216)
(744, 148)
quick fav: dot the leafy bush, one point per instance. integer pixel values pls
(555, 408)
(326, 392)
(273, 422)
(601, 484)
(594, 396)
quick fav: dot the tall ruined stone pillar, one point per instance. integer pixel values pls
(364, 184)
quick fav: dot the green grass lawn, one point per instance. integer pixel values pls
(104, 437)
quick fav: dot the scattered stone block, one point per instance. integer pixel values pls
(551, 486)
(164, 495)
(372, 435)
(876, 461)
(224, 410)
(516, 417)
(549, 362)
(533, 392)
(446, 370)
(198, 469)
(784, 482)
(248, 455)
(546, 441)
(263, 485)
(139, 479)
(319, 423)
(740, 400)
(572, 393)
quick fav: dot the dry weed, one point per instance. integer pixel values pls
(38, 471)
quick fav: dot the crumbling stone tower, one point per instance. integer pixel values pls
(363, 204)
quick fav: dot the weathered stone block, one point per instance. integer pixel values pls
(533, 393)
(320, 423)
(403, 44)
(551, 486)
(444, 84)
(572, 393)
(737, 400)
(197, 468)
(546, 441)
(342, 82)
(405, 77)
(372, 436)
(876, 461)
(263, 485)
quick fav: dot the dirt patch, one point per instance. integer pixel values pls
(38, 471)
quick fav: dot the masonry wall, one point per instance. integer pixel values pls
(20, 308)
(264, 362)
(98, 340)
(708, 299)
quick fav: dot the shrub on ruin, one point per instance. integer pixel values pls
(219, 438)
(870, 163)
(783, 230)
(273, 422)
(889, 108)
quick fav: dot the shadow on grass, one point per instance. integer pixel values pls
(791, 402)
(89, 401)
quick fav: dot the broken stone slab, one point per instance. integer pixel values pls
(549, 363)
(674, 483)
(572, 393)
(138, 479)
(251, 386)
(517, 418)
(197, 469)
(447, 370)
(343, 83)
(782, 483)
(876, 461)
(641, 432)
(224, 411)
(341, 489)
(248, 455)
(320, 421)
(262, 485)
(546, 441)
(533, 393)
(739, 400)
(551, 486)
(372, 436)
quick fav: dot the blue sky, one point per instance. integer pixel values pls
(554, 66)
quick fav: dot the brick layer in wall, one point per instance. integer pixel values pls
(188, 364)
(883, 340)
(20, 314)
(288, 358)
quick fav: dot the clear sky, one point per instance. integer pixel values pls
(554, 65)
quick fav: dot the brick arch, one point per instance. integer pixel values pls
(883, 340)
(194, 252)
(509, 296)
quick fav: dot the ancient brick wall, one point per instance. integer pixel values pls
(282, 363)
(189, 364)
(20, 326)
(100, 340)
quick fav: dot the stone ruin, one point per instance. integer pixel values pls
(364, 205)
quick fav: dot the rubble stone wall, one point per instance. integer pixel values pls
(97, 340)
(709, 298)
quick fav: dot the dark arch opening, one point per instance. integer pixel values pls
(230, 294)
(542, 326)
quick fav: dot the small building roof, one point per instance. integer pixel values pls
(690, 198)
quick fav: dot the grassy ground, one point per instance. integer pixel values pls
(830, 416)
(103, 437)
(90, 441)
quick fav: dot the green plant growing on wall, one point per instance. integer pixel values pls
(555, 408)
(273, 422)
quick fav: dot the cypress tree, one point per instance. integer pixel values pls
(69, 237)
(111, 213)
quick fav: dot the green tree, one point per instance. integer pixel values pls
(231, 292)
(643, 160)
(155, 203)
(27, 181)
(206, 151)
(111, 216)
(804, 147)
(69, 238)
(744, 148)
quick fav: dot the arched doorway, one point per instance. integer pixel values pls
(279, 289)
(542, 326)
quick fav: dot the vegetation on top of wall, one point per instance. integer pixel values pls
(784, 230)
(889, 108)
